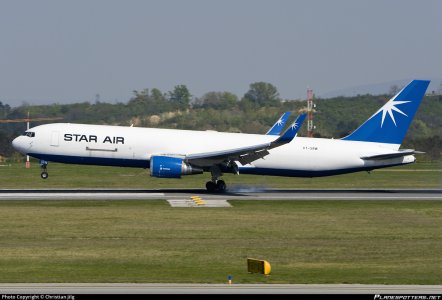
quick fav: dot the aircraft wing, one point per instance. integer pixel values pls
(396, 154)
(245, 155)
(279, 125)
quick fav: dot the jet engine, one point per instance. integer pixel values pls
(171, 167)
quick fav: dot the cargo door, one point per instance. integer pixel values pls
(54, 138)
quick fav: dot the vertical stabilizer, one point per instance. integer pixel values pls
(390, 123)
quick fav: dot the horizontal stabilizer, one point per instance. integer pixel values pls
(399, 153)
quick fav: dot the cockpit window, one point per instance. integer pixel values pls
(29, 134)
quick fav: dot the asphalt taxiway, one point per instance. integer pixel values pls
(243, 193)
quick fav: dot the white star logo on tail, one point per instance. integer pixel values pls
(389, 107)
(294, 126)
(279, 122)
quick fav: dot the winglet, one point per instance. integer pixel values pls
(290, 132)
(279, 125)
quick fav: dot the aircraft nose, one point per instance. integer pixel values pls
(20, 145)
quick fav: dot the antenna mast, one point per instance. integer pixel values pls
(28, 163)
(310, 126)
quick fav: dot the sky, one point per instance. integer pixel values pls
(54, 51)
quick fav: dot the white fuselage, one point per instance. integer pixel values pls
(133, 147)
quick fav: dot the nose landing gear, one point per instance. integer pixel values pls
(44, 173)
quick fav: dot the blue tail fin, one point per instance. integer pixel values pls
(279, 125)
(390, 123)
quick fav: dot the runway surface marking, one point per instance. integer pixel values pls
(191, 203)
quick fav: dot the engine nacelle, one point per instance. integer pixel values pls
(171, 167)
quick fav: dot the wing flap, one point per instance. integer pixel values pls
(251, 157)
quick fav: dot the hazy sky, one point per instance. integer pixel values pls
(69, 51)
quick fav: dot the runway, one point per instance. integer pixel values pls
(155, 288)
(243, 193)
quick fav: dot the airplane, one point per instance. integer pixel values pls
(173, 153)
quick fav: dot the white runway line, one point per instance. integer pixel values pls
(79, 196)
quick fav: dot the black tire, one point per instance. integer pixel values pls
(210, 186)
(44, 175)
(221, 186)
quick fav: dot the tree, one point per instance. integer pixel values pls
(180, 96)
(4, 110)
(219, 100)
(157, 95)
(262, 93)
(5, 148)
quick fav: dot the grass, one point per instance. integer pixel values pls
(15, 175)
(370, 242)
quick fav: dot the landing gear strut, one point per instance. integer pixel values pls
(216, 185)
(44, 172)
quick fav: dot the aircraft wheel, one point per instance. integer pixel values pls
(210, 186)
(44, 175)
(221, 186)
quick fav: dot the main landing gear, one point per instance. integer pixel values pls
(44, 171)
(216, 185)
